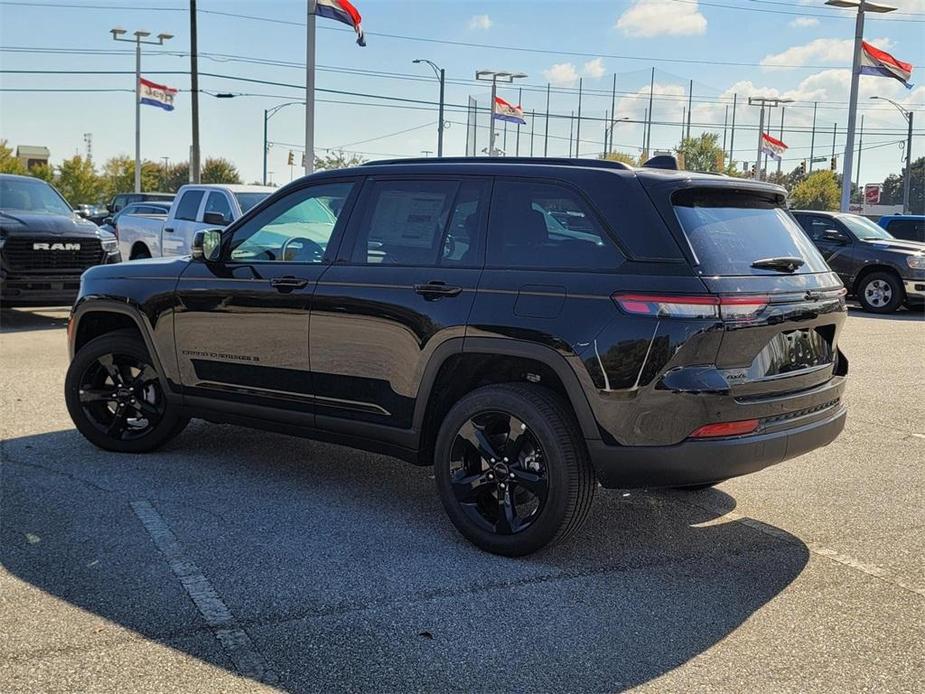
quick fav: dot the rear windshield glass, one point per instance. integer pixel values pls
(729, 231)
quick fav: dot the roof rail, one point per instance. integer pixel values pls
(555, 161)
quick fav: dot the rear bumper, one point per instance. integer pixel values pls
(701, 462)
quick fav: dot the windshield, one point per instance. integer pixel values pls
(248, 200)
(730, 230)
(35, 196)
(863, 228)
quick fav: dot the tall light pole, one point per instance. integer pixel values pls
(495, 76)
(861, 6)
(139, 35)
(309, 161)
(907, 176)
(441, 75)
(268, 113)
(769, 103)
(608, 130)
(195, 161)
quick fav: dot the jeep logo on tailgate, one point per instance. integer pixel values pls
(55, 246)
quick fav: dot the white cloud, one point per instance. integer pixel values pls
(804, 22)
(561, 75)
(594, 68)
(480, 21)
(819, 51)
(662, 17)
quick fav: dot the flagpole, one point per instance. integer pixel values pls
(491, 116)
(546, 136)
(760, 133)
(852, 110)
(309, 161)
(578, 124)
(781, 160)
(137, 112)
(812, 141)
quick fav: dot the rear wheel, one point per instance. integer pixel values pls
(880, 292)
(510, 471)
(114, 396)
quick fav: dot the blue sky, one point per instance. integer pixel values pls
(792, 48)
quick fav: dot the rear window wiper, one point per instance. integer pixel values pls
(784, 263)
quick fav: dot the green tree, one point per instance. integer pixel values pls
(623, 158)
(119, 176)
(175, 176)
(702, 153)
(43, 171)
(892, 193)
(8, 161)
(336, 159)
(219, 170)
(78, 182)
(818, 191)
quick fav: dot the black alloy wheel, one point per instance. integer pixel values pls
(511, 468)
(498, 473)
(115, 398)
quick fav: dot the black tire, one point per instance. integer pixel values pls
(115, 398)
(880, 292)
(140, 252)
(548, 483)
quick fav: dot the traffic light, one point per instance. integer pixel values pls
(803, 168)
(754, 170)
(291, 158)
(833, 164)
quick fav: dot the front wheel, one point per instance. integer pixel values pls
(881, 292)
(511, 472)
(114, 396)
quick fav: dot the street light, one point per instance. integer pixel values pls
(441, 75)
(140, 35)
(861, 6)
(495, 76)
(907, 176)
(770, 102)
(267, 115)
(608, 130)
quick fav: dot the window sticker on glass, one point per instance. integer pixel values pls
(409, 220)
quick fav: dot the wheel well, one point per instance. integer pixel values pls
(869, 269)
(463, 373)
(139, 246)
(97, 323)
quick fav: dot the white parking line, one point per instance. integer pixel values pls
(248, 661)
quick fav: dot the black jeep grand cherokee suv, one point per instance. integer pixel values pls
(529, 327)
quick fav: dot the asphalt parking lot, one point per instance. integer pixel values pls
(233, 560)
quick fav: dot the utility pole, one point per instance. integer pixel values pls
(571, 131)
(139, 35)
(732, 134)
(649, 112)
(812, 141)
(861, 6)
(309, 162)
(441, 75)
(613, 110)
(578, 124)
(520, 101)
(546, 137)
(907, 172)
(782, 109)
(725, 121)
(860, 149)
(690, 103)
(195, 163)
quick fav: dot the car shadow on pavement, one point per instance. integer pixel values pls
(344, 572)
(19, 320)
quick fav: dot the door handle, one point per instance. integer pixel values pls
(435, 289)
(288, 283)
(168, 229)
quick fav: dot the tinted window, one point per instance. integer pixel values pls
(189, 205)
(405, 223)
(908, 229)
(863, 228)
(217, 202)
(31, 196)
(729, 230)
(248, 200)
(816, 226)
(296, 228)
(547, 226)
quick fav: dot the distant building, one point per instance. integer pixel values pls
(32, 156)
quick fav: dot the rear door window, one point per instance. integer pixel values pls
(546, 225)
(907, 229)
(730, 230)
(189, 205)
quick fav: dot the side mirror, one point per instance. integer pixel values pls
(108, 221)
(216, 218)
(206, 245)
(834, 236)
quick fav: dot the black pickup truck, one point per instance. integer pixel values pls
(881, 271)
(44, 245)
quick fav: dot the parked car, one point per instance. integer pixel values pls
(44, 245)
(89, 211)
(908, 227)
(435, 311)
(120, 200)
(882, 272)
(195, 207)
(154, 208)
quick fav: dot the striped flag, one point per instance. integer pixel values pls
(509, 112)
(153, 94)
(773, 147)
(882, 64)
(341, 11)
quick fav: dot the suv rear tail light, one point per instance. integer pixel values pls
(745, 426)
(691, 306)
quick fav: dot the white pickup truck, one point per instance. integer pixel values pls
(195, 207)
